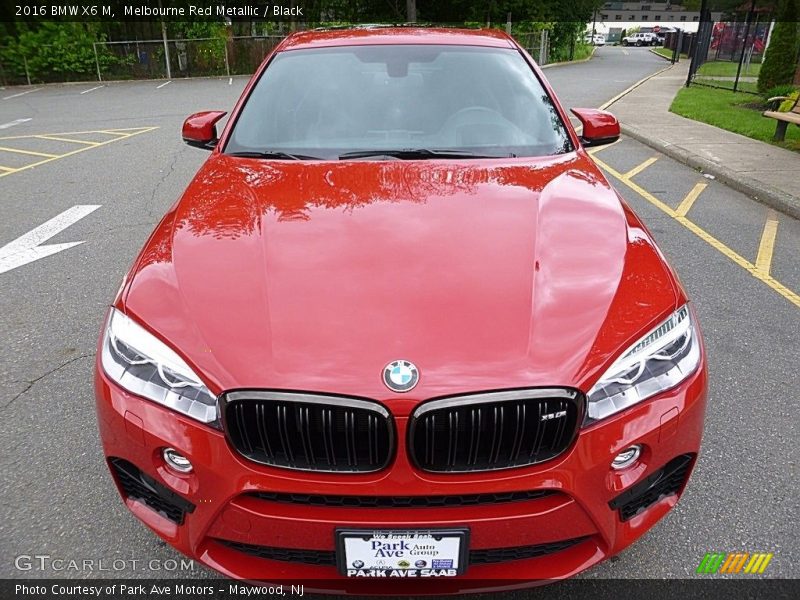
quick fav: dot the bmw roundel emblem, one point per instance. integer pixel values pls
(400, 376)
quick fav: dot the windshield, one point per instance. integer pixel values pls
(410, 101)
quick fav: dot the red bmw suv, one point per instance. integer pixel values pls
(400, 326)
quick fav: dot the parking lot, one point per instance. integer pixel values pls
(114, 151)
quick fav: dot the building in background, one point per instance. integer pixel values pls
(614, 17)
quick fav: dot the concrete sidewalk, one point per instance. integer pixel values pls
(767, 173)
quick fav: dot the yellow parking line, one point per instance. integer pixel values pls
(639, 168)
(705, 236)
(62, 139)
(31, 152)
(594, 151)
(9, 169)
(124, 131)
(136, 130)
(765, 248)
(119, 133)
(686, 204)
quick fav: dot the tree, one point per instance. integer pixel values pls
(781, 57)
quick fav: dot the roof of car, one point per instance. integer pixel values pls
(369, 35)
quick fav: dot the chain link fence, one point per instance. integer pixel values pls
(728, 54)
(537, 44)
(174, 58)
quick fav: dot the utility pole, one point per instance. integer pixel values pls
(166, 46)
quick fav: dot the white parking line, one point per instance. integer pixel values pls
(230, 81)
(21, 94)
(12, 123)
(163, 84)
(92, 89)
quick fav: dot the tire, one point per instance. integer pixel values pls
(638, 43)
(624, 42)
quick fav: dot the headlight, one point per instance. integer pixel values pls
(657, 362)
(145, 366)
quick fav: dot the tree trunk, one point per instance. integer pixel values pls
(411, 11)
(797, 75)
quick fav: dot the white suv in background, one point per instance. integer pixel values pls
(640, 39)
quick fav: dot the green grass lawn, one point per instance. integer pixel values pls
(724, 68)
(744, 86)
(725, 110)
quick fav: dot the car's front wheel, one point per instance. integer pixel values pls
(624, 42)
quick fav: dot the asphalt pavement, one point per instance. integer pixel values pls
(58, 497)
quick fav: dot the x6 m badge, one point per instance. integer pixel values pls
(554, 415)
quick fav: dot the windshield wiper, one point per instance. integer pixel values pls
(420, 153)
(275, 154)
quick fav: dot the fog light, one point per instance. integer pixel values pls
(626, 458)
(176, 461)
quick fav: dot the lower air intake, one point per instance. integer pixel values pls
(665, 482)
(136, 485)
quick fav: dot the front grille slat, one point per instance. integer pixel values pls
(494, 430)
(449, 501)
(309, 432)
(262, 425)
(328, 557)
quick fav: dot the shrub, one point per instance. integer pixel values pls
(57, 51)
(781, 56)
(779, 90)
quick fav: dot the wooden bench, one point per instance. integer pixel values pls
(784, 118)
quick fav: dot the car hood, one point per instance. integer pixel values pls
(314, 275)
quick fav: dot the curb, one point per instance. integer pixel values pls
(628, 90)
(570, 62)
(757, 190)
(653, 51)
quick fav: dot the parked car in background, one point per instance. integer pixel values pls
(598, 39)
(640, 39)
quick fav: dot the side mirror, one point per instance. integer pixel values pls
(599, 127)
(200, 129)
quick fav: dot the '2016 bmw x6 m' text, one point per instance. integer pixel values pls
(400, 325)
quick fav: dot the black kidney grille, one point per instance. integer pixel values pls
(665, 482)
(402, 501)
(309, 432)
(492, 431)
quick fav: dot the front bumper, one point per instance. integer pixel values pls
(227, 525)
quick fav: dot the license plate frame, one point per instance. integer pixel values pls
(412, 571)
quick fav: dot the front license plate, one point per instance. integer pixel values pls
(402, 553)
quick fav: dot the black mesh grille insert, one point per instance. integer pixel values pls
(476, 557)
(498, 555)
(136, 485)
(401, 501)
(664, 482)
(309, 432)
(495, 430)
(308, 557)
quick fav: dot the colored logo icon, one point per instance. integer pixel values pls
(400, 375)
